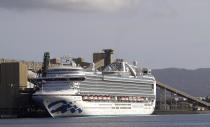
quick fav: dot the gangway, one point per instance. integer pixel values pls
(183, 94)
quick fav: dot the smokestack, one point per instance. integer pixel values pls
(109, 58)
(46, 63)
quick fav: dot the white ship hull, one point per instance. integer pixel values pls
(121, 89)
(71, 106)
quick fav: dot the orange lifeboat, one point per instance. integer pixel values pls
(140, 99)
(126, 98)
(90, 97)
(100, 97)
(84, 97)
(122, 98)
(104, 98)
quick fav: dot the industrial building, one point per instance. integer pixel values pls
(15, 91)
(13, 79)
(103, 59)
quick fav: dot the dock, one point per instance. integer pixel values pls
(165, 87)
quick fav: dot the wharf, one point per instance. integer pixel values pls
(158, 112)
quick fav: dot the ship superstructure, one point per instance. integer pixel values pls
(120, 89)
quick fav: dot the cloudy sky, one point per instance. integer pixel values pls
(157, 33)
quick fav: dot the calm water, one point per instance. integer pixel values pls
(140, 121)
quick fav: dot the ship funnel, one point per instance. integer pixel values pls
(46, 62)
(109, 57)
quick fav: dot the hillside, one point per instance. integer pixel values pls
(194, 82)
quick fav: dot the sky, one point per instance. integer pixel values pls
(156, 33)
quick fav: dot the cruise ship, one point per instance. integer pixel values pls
(121, 89)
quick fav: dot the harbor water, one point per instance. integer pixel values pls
(129, 121)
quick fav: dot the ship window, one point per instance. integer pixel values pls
(117, 66)
(125, 107)
(65, 79)
(62, 70)
(127, 69)
(59, 72)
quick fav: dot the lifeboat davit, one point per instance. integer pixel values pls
(99, 97)
(90, 97)
(95, 98)
(104, 98)
(134, 99)
(126, 98)
(140, 99)
(122, 98)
